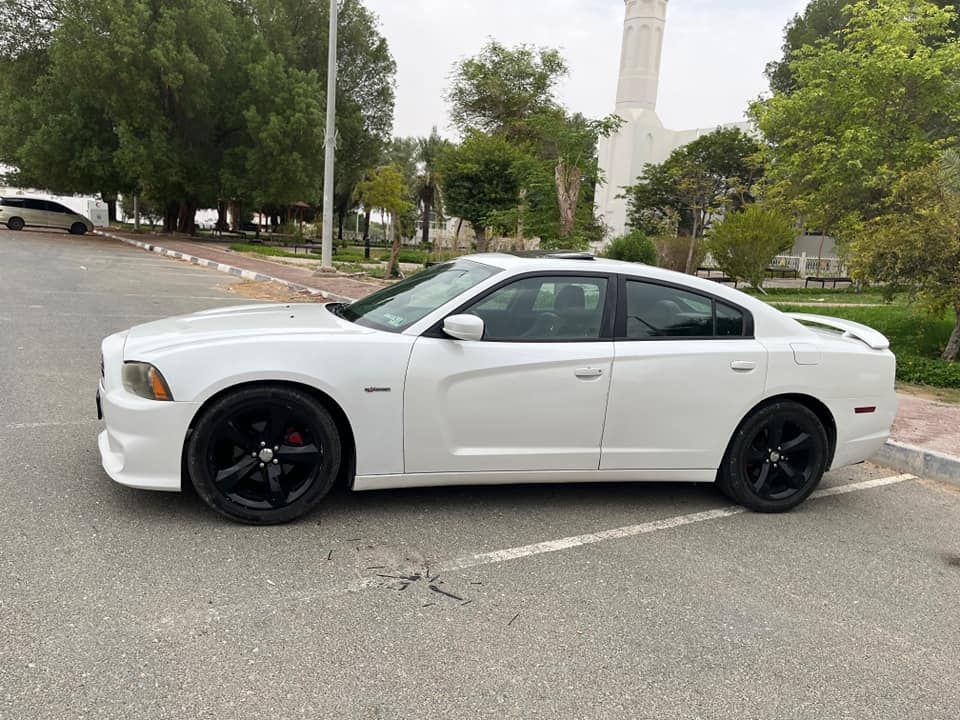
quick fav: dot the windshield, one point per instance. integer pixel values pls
(401, 305)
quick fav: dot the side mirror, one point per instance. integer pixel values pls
(464, 327)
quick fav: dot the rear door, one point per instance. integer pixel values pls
(686, 370)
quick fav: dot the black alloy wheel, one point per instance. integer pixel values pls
(78, 228)
(16, 224)
(264, 455)
(776, 459)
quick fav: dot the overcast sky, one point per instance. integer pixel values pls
(713, 58)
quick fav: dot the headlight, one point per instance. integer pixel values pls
(145, 380)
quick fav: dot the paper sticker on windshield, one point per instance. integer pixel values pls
(393, 320)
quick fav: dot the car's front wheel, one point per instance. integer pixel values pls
(264, 455)
(16, 224)
(776, 458)
(78, 228)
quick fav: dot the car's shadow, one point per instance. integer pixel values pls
(496, 502)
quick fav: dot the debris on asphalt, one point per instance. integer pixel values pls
(512, 619)
(444, 592)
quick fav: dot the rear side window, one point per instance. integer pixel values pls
(660, 311)
(11, 202)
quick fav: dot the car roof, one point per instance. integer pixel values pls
(584, 262)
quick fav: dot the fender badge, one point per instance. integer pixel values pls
(376, 389)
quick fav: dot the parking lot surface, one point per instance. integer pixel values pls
(116, 603)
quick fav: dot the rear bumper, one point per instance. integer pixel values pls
(861, 435)
(142, 444)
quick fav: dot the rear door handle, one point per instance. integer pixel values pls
(743, 365)
(588, 372)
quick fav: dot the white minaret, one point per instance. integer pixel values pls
(640, 54)
(642, 139)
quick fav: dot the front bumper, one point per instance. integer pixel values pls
(142, 445)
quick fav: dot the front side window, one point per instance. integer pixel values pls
(544, 308)
(659, 311)
(399, 306)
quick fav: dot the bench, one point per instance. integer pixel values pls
(724, 279)
(783, 272)
(824, 280)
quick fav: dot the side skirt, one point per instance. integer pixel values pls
(386, 482)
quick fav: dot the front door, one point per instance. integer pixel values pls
(686, 372)
(530, 396)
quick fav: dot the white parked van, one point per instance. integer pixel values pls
(20, 212)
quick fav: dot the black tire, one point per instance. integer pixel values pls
(776, 458)
(15, 223)
(237, 440)
(78, 228)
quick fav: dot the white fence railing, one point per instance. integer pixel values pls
(805, 266)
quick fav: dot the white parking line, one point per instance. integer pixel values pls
(499, 556)
(34, 425)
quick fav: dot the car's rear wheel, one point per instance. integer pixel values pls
(16, 224)
(78, 228)
(264, 455)
(776, 458)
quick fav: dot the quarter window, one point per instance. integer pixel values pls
(544, 308)
(729, 321)
(659, 311)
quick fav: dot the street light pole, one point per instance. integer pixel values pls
(330, 142)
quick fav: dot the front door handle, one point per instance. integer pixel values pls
(588, 372)
(743, 365)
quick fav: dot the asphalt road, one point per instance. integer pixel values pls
(116, 603)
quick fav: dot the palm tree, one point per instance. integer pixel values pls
(427, 185)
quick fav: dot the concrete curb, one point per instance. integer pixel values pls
(222, 267)
(919, 461)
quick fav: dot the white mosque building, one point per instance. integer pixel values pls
(642, 139)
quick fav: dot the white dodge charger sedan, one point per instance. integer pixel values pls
(494, 369)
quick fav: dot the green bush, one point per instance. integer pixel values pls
(745, 243)
(633, 247)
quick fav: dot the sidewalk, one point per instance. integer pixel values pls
(334, 286)
(925, 439)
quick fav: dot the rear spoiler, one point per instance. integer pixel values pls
(850, 329)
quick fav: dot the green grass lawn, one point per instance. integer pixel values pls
(917, 339)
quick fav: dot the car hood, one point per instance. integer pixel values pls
(235, 323)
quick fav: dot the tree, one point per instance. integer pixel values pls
(427, 187)
(821, 20)
(568, 144)
(915, 241)
(385, 188)
(510, 93)
(745, 242)
(501, 88)
(881, 101)
(480, 180)
(190, 103)
(697, 183)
